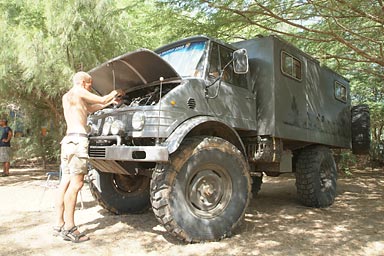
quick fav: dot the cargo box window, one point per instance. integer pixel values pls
(290, 66)
(340, 92)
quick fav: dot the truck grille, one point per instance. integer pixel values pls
(96, 152)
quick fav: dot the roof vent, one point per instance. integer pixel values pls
(191, 103)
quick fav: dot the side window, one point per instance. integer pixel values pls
(220, 57)
(291, 66)
(225, 58)
(214, 62)
(340, 92)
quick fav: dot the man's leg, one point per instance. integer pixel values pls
(6, 168)
(64, 183)
(70, 230)
(76, 182)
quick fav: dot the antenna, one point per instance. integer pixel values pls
(114, 79)
(158, 125)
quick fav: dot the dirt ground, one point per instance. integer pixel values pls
(275, 223)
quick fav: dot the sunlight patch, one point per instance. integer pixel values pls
(374, 248)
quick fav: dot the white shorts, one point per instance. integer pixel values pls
(74, 155)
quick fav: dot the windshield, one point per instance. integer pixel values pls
(186, 59)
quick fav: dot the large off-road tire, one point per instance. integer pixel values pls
(121, 193)
(361, 139)
(316, 175)
(202, 193)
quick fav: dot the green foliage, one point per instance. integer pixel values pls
(45, 42)
(25, 148)
(201, 17)
(345, 159)
(377, 151)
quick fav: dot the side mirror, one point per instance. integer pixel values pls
(240, 61)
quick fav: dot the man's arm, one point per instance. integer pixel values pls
(94, 107)
(9, 136)
(92, 98)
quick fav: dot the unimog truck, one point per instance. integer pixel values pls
(202, 121)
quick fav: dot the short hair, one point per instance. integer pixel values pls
(80, 76)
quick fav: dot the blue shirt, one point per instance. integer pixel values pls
(4, 135)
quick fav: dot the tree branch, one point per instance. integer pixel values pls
(361, 13)
(330, 35)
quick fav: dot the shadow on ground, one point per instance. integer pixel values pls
(275, 224)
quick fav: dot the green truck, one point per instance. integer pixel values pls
(202, 121)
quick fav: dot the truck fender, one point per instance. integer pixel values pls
(204, 125)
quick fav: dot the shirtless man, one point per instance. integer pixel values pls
(78, 102)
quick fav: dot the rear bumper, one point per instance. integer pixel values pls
(129, 153)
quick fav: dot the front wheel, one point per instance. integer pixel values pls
(316, 176)
(121, 193)
(201, 194)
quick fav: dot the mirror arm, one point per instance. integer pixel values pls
(221, 74)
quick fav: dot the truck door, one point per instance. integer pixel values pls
(229, 98)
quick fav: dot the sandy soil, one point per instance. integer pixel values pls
(275, 223)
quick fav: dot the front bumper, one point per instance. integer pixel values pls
(129, 153)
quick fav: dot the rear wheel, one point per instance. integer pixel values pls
(201, 194)
(360, 129)
(121, 193)
(316, 176)
(256, 184)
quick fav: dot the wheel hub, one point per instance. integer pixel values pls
(325, 177)
(206, 189)
(208, 192)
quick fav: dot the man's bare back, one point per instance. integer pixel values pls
(75, 111)
(79, 101)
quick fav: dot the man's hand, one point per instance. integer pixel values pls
(119, 93)
(117, 100)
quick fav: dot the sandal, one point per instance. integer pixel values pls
(57, 230)
(70, 235)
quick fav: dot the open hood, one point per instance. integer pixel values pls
(136, 68)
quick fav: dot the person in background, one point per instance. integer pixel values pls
(5, 146)
(78, 102)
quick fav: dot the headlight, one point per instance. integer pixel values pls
(93, 126)
(107, 126)
(117, 127)
(138, 120)
(92, 129)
